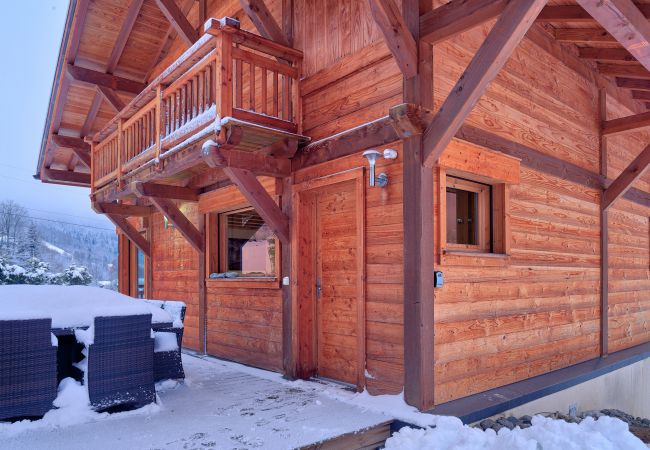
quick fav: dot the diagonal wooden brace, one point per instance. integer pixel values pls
(169, 209)
(125, 227)
(624, 182)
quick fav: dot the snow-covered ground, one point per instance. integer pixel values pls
(606, 433)
(223, 405)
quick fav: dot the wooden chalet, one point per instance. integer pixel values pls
(506, 240)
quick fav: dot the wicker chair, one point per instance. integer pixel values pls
(120, 363)
(28, 384)
(168, 364)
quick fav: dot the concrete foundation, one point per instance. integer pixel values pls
(627, 389)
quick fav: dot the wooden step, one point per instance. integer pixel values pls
(366, 439)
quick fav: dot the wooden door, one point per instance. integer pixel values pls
(331, 280)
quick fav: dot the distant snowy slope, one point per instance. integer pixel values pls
(54, 248)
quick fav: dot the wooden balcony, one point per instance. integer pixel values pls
(231, 86)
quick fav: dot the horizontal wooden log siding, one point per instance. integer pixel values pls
(498, 320)
(175, 270)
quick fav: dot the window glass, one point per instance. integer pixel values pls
(140, 289)
(250, 245)
(462, 207)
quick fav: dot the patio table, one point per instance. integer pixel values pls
(120, 355)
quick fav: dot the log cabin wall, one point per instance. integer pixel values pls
(497, 319)
(175, 271)
(501, 320)
(629, 282)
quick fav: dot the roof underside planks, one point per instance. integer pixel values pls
(131, 39)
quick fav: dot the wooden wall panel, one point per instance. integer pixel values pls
(175, 267)
(245, 325)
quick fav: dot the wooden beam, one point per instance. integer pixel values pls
(166, 191)
(641, 95)
(625, 180)
(623, 20)
(263, 203)
(169, 209)
(123, 35)
(178, 20)
(418, 232)
(65, 176)
(167, 41)
(604, 233)
(103, 79)
(625, 124)
(121, 209)
(506, 34)
(86, 128)
(266, 25)
(575, 13)
(257, 163)
(624, 70)
(112, 98)
(633, 83)
(397, 36)
(606, 54)
(583, 36)
(83, 155)
(69, 142)
(456, 17)
(130, 232)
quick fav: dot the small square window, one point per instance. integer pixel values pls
(247, 246)
(468, 215)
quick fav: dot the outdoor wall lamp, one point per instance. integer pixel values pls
(372, 156)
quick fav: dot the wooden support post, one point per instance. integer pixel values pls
(510, 28)
(418, 233)
(203, 320)
(604, 235)
(289, 324)
(625, 180)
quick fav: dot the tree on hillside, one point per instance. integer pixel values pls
(30, 245)
(12, 219)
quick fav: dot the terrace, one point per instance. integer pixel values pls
(233, 88)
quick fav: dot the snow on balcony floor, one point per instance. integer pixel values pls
(221, 405)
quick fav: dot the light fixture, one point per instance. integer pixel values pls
(372, 156)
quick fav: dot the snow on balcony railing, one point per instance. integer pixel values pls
(228, 72)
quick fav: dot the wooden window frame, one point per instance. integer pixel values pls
(483, 214)
(217, 255)
(494, 235)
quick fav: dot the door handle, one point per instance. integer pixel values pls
(318, 289)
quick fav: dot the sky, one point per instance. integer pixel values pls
(30, 35)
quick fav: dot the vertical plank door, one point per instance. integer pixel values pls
(336, 262)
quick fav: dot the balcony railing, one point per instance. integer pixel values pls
(226, 73)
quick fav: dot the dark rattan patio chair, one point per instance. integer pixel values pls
(168, 364)
(120, 363)
(27, 368)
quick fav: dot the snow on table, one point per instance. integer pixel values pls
(71, 306)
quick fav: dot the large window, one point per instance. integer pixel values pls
(247, 246)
